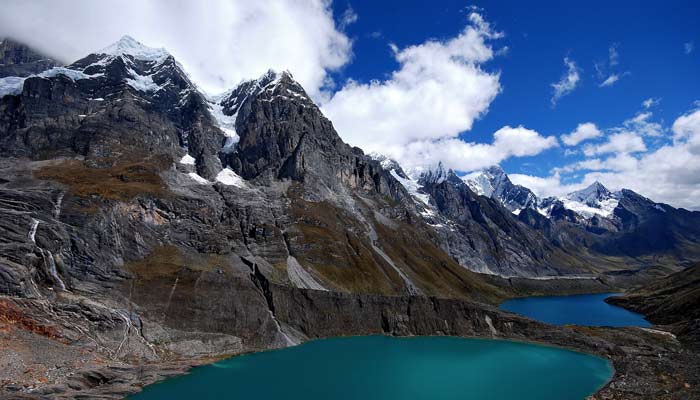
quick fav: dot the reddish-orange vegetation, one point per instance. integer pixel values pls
(11, 316)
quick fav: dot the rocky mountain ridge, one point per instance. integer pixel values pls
(607, 223)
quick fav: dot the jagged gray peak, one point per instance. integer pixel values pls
(592, 195)
(494, 182)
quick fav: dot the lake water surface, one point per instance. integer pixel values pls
(585, 309)
(388, 368)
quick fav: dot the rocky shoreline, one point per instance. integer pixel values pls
(648, 364)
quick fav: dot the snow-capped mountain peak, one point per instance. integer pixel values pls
(494, 182)
(435, 174)
(226, 106)
(595, 199)
(386, 162)
(128, 46)
(408, 181)
(487, 181)
(591, 195)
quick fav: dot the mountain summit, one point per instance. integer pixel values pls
(494, 182)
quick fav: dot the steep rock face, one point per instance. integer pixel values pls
(486, 236)
(18, 59)
(493, 182)
(124, 101)
(105, 138)
(283, 135)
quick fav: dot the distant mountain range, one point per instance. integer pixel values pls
(611, 224)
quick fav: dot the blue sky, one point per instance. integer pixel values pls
(650, 39)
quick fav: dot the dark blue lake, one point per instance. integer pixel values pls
(585, 309)
(388, 368)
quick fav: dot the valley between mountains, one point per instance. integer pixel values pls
(146, 227)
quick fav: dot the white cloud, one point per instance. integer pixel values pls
(688, 47)
(584, 131)
(567, 83)
(686, 130)
(455, 153)
(613, 55)
(650, 102)
(544, 186)
(438, 92)
(623, 142)
(606, 71)
(641, 124)
(219, 44)
(669, 174)
(616, 162)
(611, 80)
(348, 18)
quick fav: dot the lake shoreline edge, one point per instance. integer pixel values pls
(320, 314)
(608, 362)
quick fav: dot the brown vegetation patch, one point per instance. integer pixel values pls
(122, 181)
(413, 250)
(334, 244)
(168, 261)
(328, 240)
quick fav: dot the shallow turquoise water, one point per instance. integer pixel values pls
(386, 368)
(586, 309)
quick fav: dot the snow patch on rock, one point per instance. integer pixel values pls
(230, 178)
(128, 46)
(187, 160)
(11, 85)
(227, 123)
(198, 178)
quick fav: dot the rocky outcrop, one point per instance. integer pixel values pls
(494, 182)
(18, 59)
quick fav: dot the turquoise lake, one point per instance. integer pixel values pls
(386, 368)
(586, 309)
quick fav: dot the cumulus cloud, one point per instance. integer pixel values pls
(545, 186)
(455, 153)
(686, 131)
(641, 124)
(688, 47)
(417, 114)
(567, 83)
(669, 174)
(219, 44)
(623, 142)
(584, 131)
